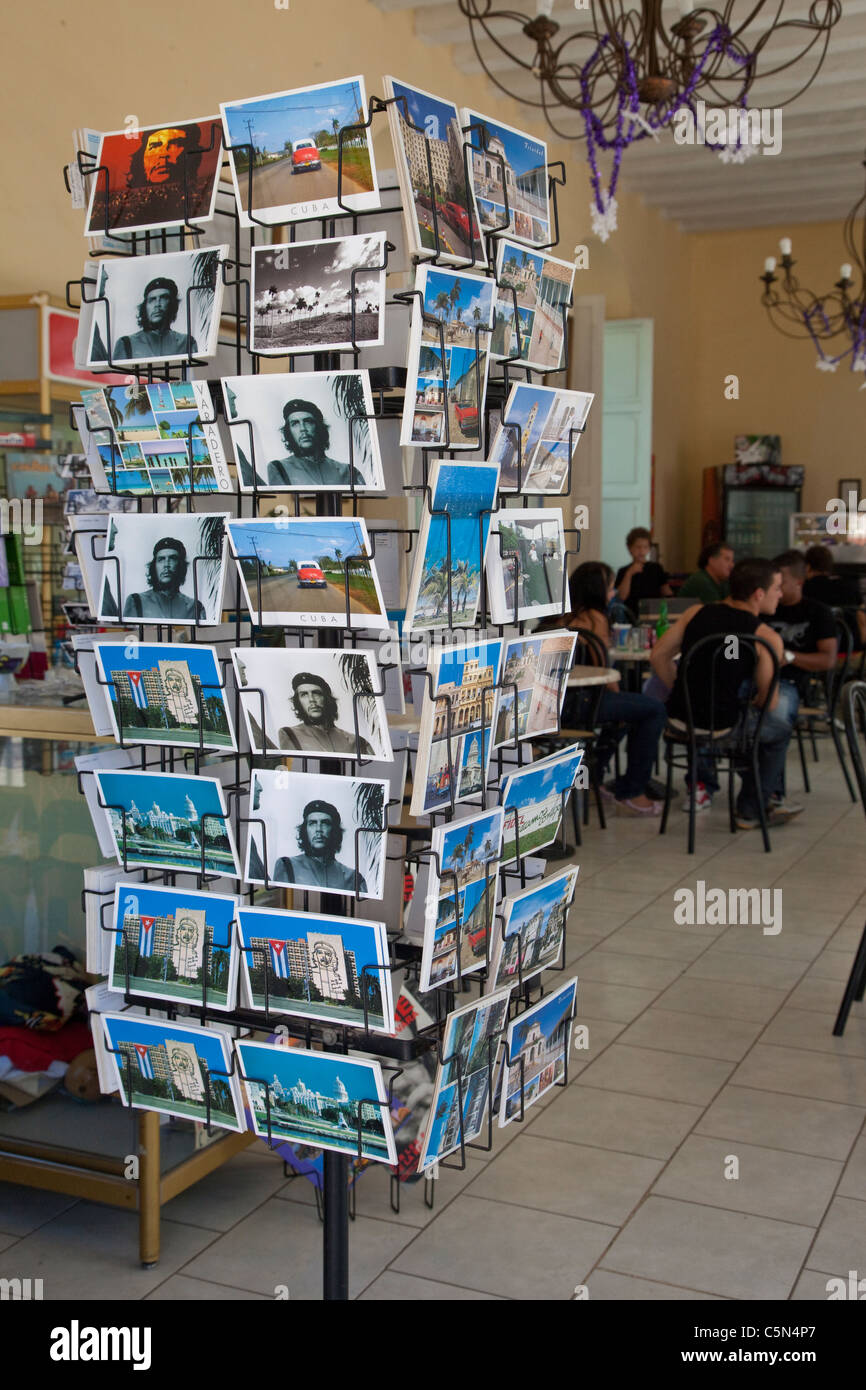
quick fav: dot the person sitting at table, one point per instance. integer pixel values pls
(808, 632)
(643, 578)
(709, 582)
(719, 687)
(591, 589)
(825, 585)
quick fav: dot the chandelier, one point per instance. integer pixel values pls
(835, 323)
(629, 73)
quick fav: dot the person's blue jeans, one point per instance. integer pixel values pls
(644, 719)
(773, 743)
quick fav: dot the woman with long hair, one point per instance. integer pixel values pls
(591, 589)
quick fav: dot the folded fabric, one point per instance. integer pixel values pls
(29, 1050)
(43, 991)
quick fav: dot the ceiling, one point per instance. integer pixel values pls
(817, 175)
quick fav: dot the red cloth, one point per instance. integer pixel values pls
(32, 1051)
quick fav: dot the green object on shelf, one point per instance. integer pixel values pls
(662, 625)
(14, 558)
(19, 608)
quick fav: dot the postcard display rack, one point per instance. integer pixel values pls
(335, 1198)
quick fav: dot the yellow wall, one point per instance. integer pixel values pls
(95, 63)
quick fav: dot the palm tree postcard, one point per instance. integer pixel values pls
(162, 433)
(308, 571)
(438, 203)
(533, 799)
(304, 432)
(454, 315)
(526, 565)
(317, 966)
(317, 831)
(166, 693)
(174, 944)
(537, 1045)
(539, 287)
(299, 154)
(461, 1093)
(318, 296)
(164, 569)
(313, 703)
(159, 308)
(322, 1099)
(173, 1068)
(168, 820)
(456, 722)
(445, 586)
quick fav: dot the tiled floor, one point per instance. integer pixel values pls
(710, 1143)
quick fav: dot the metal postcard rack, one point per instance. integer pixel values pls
(335, 1199)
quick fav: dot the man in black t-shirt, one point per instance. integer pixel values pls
(808, 632)
(643, 578)
(826, 586)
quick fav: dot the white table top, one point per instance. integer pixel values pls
(591, 675)
(623, 654)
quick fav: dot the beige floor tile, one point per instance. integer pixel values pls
(608, 967)
(181, 1289)
(726, 1039)
(853, 1182)
(822, 996)
(614, 1120)
(507, 1250)
(6, 1241)
(616, 1003)
(806, 1028)
(605, 1286)
(91, 1251)
(738, 968)
(823, 1075)
(701, 1247)
(721, 999)
(391, 1287)
(651, 1072)
(573, 1180)
(281, 1244)
(228, 1194)
(842, 1239)
(681, 943)
(785, 1186)
(812, 1287)
(797, 1123)
(832, 965)
(751, 941)
(25, 1209)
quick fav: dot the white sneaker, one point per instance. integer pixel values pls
(703, 799)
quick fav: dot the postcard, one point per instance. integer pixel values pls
(304, 294)
(461, 896)
(164, 433)
(285, 149)
(536, 1052)
(448, 358)
(159, 308)
(170, 944)
(163, 568)
(87, 764)
(304, 432)
(510, 167)
(84, 661)
(526, 577)
(454, 737)
(534, 684)
(320, 1098)
(168, 820)
(164, 176)
(175, 1068)
(166, 693)
(531, 307)
(313, 703)
(533, 798)
(317, 966)
(88, 534)
(470, 1047)
(431, 170)
(308, 571)
(445, 586)
(314, 830)
(533, 930)
(537, 434)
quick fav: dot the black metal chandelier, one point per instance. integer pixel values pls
(835, 323)
(629, 74)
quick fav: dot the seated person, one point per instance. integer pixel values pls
(591, 588)
(808, 632)
(718, 687)
(823, 584)
(643, 578)
(709, 583)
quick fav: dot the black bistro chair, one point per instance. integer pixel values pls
(579, 724)
(729, 745)
(854, 714)
(822, 708)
